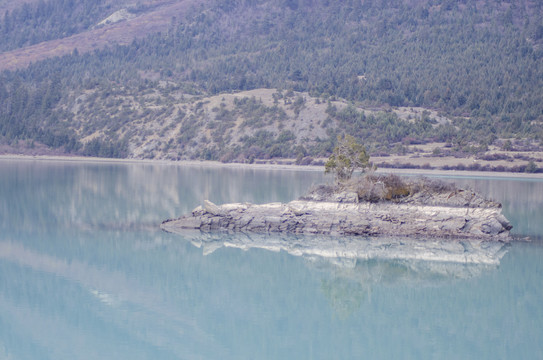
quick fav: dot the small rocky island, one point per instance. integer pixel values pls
(368, 205)
(372, 205)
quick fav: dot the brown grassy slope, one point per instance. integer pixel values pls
(155, 20)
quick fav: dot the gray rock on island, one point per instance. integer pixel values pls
(460, 214)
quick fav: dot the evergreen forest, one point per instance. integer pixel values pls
(479, 63)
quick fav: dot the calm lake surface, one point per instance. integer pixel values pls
(86, 273)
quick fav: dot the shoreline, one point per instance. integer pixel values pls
(268, 166)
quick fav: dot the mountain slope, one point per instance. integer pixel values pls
(121, 26)
(478, 63)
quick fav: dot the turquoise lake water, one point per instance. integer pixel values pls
(86, 273)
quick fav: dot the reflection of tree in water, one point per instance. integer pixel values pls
(350, 286)
(351, 283)
(345, 295)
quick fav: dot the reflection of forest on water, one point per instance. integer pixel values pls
(127, 196)
(85, 269)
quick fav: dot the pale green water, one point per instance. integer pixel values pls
(85, 273)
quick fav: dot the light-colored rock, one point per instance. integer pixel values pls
(214, 209)
(335, 218)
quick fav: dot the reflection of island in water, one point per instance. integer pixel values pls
(353, 265)
(390, 259)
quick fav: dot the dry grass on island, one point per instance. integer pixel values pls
(375, 188)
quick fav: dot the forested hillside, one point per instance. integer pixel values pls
(477, 63)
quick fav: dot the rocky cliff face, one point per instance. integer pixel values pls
(349, 218)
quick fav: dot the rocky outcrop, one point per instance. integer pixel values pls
(408, 218)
